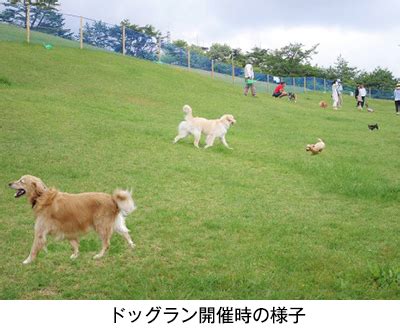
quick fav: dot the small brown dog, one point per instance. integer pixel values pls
(316, 148)
(323, 104)
(71, 215)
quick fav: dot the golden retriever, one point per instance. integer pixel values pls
(212, 128)
(316, 148)
(71, 215)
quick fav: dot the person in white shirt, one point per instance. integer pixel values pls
(248, 79)
(397, 98)
(335, 95)
(340, 92)
(362, 93)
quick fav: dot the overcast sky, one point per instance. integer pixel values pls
(365, 32)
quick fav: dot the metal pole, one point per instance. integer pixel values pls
(315, 84)
(81, 33)
(212, 69)
(305, 84)
(188, 58)
(268, 83)
(123, 40)
(28, 22)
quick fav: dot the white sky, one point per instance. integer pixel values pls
(365, 32)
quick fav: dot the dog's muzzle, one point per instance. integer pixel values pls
(20, 192)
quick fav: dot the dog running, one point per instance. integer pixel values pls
(323, 104)
(212, 128)
(68, 216)
(316, 148)
(371, 127)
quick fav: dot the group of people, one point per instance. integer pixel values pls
(360, 92)
(249, 83)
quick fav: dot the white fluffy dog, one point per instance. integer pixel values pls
(212, 128)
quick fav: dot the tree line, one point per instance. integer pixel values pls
(292, 60)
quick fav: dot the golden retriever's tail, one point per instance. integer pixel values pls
(126, 205)
(188, 111)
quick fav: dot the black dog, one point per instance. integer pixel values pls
(292, 97)
(372, 127)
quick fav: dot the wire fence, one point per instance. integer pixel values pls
(82, 32)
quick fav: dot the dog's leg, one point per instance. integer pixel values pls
(197, 136)
(121, 229)
(181, 135)
(75, 247)
(38, 243)
(223, 140)
(182, 132)
(209, 141)
(105, 238)
(128, 239)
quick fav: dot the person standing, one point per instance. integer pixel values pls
(397, 98)
(356, 94)
(335, 94)
(248, 79)
(362, 93)
(340, 92)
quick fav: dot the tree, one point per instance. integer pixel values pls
(289, 60)
(180, 43)
(379, 78)
(342, 70)
(44, 16)
(218, 52)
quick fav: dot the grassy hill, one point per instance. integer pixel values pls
(263, 221)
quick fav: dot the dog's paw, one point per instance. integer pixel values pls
(98, 256)
(27, 261)
(74, 256)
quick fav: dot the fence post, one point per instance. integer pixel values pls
(233, 71)
(305, 84)
(81, 33)
(123, 39)
(268, 83)
(28, 22)
(212, 69)
(324, 85)
(370, 92)
(294, 85)
(315, 83)
(188, 52)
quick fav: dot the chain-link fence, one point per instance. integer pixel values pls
(51, 27)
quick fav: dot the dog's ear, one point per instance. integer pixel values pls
(38, 188)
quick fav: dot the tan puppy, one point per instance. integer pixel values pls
(71, 215)
(323, 104)
(316, 148)
(212, 128)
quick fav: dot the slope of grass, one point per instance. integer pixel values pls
(263, 221)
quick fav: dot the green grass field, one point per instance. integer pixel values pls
(263, 221)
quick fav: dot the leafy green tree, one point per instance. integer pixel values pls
(44, 16)
(218, 52)
(342, 70)
(180, 43)
(379, 78)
